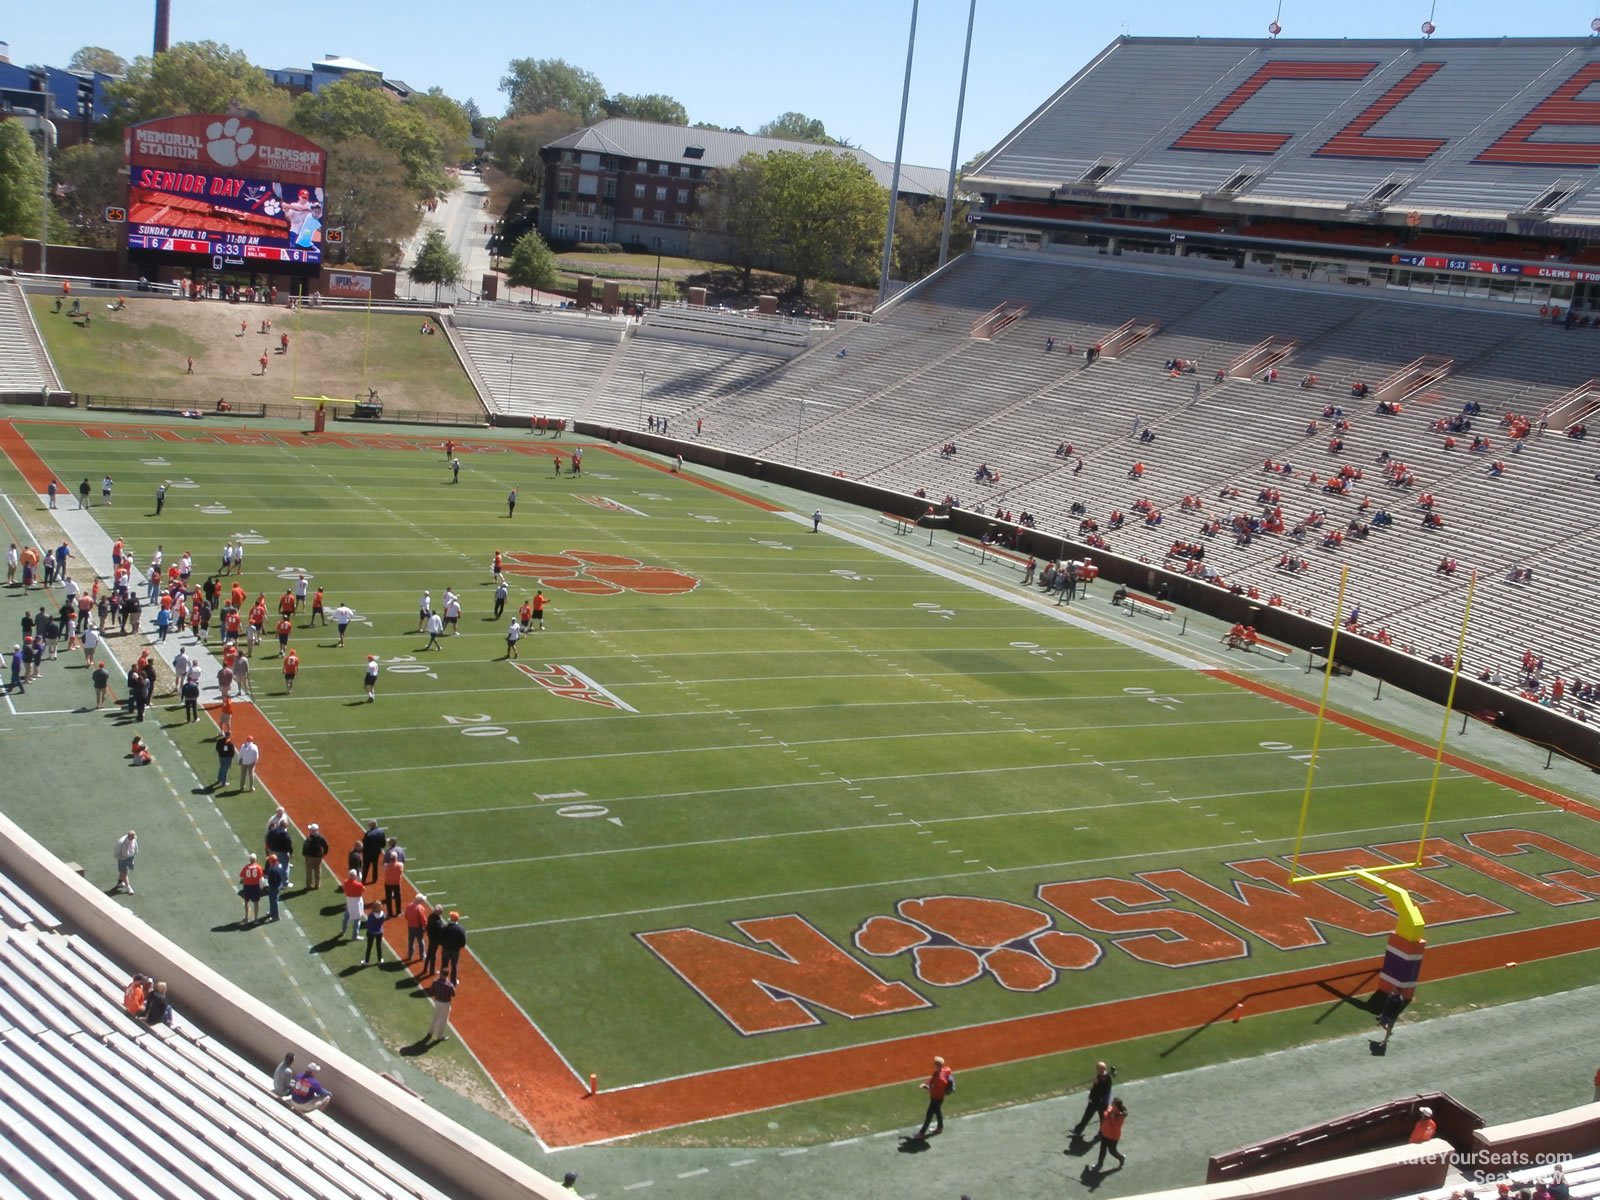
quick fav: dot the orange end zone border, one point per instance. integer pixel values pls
(552, 1097)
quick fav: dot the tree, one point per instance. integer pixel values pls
(194, 77)
(451, 123)
(88, 180)
(797, 127)
(536, 85)
(21, 181)
(359, 107)
(532, 264)
(98, 58)
(917, 230)
(517, 141)
(736, 204)
(436, 263)
(368, 198)
(827, 215)
(654, 107)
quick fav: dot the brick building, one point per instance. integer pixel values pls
(635, 182)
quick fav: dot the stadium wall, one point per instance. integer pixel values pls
(1546, 727)
(380, 1110)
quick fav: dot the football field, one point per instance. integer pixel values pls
(764, 815)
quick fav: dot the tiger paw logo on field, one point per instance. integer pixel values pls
(593, 574)
(956, 939)
(229, 143)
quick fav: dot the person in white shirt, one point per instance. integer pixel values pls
(372, 677)
(424, 610)
(227, 559)
(283, 1077)
(342, 616)
(301, 588)
(435, 628)
(13, 558)
(91, 642)
(513, 636)
(452, 611)
(238, 556)
(249, 756)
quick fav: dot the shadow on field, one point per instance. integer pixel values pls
(1344, 990)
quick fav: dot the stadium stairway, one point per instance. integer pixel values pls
(25, 365)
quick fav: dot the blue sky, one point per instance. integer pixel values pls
(741, 62)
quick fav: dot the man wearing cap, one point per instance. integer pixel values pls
(372, 677)
(452, 941)
(1426, 1127)
(314, 850)
(308, 1095)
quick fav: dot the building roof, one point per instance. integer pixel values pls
(626, 137)
(338, 62)
(1502, 128)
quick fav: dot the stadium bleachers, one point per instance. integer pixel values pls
(878, 401)
(97, 1103)
(24, 364)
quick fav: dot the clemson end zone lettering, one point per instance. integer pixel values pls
(758, 992)
(570, 683)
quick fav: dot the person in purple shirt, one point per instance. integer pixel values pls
(308, 1094)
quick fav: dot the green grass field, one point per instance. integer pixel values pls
(815, 730)
(143, 352)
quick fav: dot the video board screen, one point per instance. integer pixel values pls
(239, 191)
(224, 215)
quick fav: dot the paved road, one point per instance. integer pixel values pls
(462, 219)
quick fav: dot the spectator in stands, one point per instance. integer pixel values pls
(136, 995)
(308, 1095)
(1426, 1127)
(283, 1077)
(158, 1009)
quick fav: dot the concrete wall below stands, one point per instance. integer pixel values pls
(1521, 1144)
(1376, 1175)
(390, 1117)
(1544, 726)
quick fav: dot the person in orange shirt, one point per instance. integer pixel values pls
(316, 610)
(134, 996)
(394, 870)
(286, 603)
(225, 715)
(1111, 1133)
(538, 609)
(291, 668)
(250, 876)
(1426, 1127)
(236, 595)
(525, 615)
(231, 624)
(938, 1085)
(354, 906)
(285, 629)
